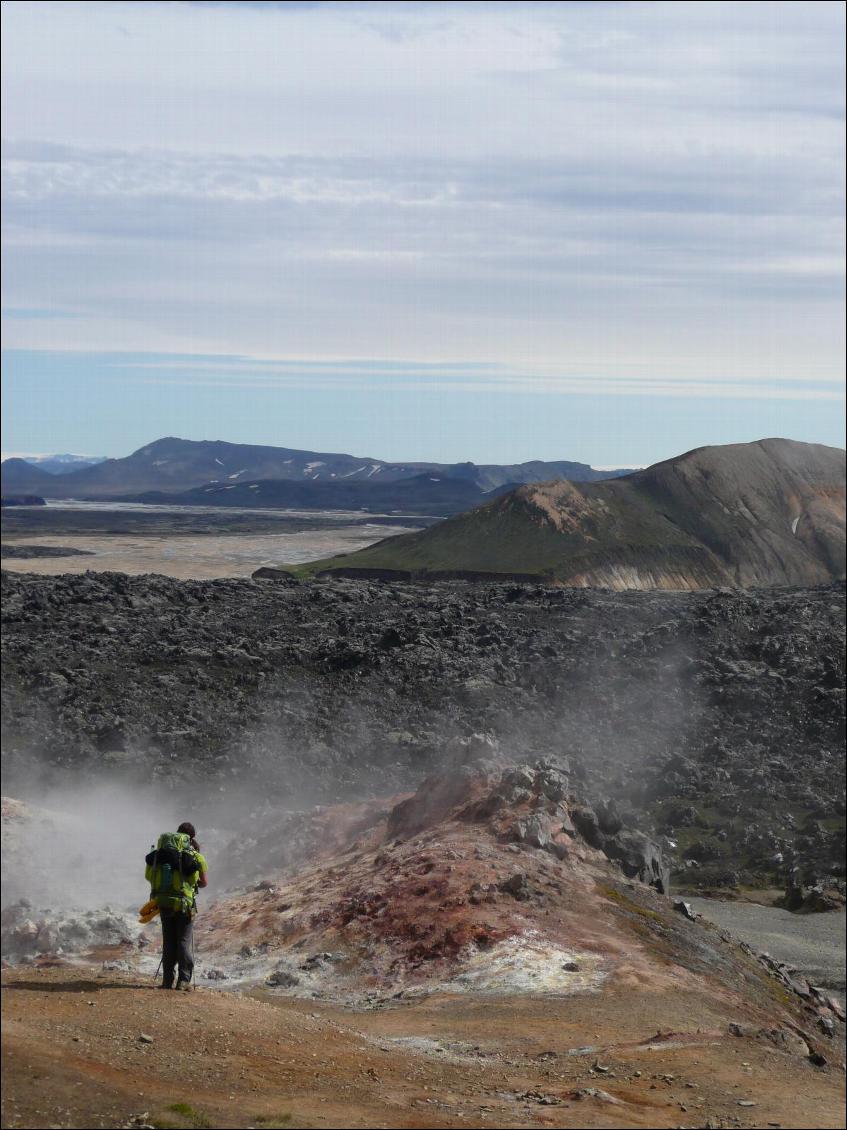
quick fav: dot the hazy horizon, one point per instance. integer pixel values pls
(29, 455)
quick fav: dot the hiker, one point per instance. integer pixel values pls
(175, 869)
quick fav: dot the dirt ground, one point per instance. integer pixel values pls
(90, 1048)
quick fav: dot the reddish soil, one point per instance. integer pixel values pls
(74, 1058)
(421, 987)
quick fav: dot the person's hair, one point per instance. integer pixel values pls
(188, 828)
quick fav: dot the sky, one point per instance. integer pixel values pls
(490, 231)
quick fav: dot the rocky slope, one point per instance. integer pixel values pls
(764, 513)
(480, 951)
(717, 717)
(487, 879)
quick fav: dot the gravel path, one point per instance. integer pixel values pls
(814, 943)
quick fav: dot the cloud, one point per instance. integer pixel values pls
(438, 379)
(612, 191)
(518, 382)
(39, 314)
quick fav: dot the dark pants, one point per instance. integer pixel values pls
(177, 946)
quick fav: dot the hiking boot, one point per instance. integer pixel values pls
(164, 985)
(185, 986)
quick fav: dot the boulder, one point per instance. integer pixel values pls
(608, 818)
(516, 886)
(534, 830)
(551, 779)
(282, 979)
(640, 858)
(586, 823)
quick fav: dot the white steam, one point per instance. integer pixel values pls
(84, 846)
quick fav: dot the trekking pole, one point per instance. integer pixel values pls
(193, 955)
(158, 967)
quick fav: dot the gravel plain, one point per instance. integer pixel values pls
(814, 943)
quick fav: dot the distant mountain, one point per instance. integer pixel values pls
(63, 464)
(771, 512)
(20, 477)
(174, 466)
(489, 476)
(420, 494)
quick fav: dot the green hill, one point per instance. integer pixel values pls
(770, 512)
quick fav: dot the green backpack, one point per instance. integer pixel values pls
(171, 871)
